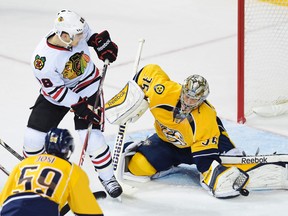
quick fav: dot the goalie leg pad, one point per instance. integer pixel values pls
(140, 166)
(268, 177)
(223, 182)
(267, 172)
(126, 174)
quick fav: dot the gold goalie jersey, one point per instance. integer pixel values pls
(53, 178)
(201, 131)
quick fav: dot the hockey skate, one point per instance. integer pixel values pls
(112, 186)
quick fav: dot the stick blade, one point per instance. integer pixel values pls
(100, 195)
(97, 195)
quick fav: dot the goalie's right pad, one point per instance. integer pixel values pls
(223, 182)
(127, 106)
(266, 172)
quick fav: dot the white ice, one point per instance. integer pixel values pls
(182, 36)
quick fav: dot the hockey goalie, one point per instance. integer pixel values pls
(188, 131)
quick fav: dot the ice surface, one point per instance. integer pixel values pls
(183, 37)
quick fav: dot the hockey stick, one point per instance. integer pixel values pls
(12, 151)
(84, 148)
(4, 170)
(118, 147)
(100, 194)
(97, 195)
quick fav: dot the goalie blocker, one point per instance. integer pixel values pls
(127, 106)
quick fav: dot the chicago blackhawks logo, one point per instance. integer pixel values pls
(76, 65)
(159, 88)
(39, 62)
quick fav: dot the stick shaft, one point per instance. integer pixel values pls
(118, 147)
(85, 145)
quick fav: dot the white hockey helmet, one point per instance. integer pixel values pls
(69, 22)
(195, 87)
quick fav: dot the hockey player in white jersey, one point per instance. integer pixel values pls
(69, 81)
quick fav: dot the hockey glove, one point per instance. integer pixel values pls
(104, 47)
(82, 110)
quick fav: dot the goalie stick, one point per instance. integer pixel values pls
(118, 147)
(84, 148)
(97, 195)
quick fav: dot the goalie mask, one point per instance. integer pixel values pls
(59, 142)
(195, 90)
(69, 22)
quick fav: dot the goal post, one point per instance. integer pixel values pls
(262, 58)
(241, 35)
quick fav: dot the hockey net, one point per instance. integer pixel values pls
(262, 58)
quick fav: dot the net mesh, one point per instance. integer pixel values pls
(266, 53)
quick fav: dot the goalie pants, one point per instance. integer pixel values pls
(163, 155)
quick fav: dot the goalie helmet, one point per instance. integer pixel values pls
(195, 90)
(69, 22)
(59, 142)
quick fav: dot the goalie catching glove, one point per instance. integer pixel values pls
(82, 110)
(104, 47)
(224, 182)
